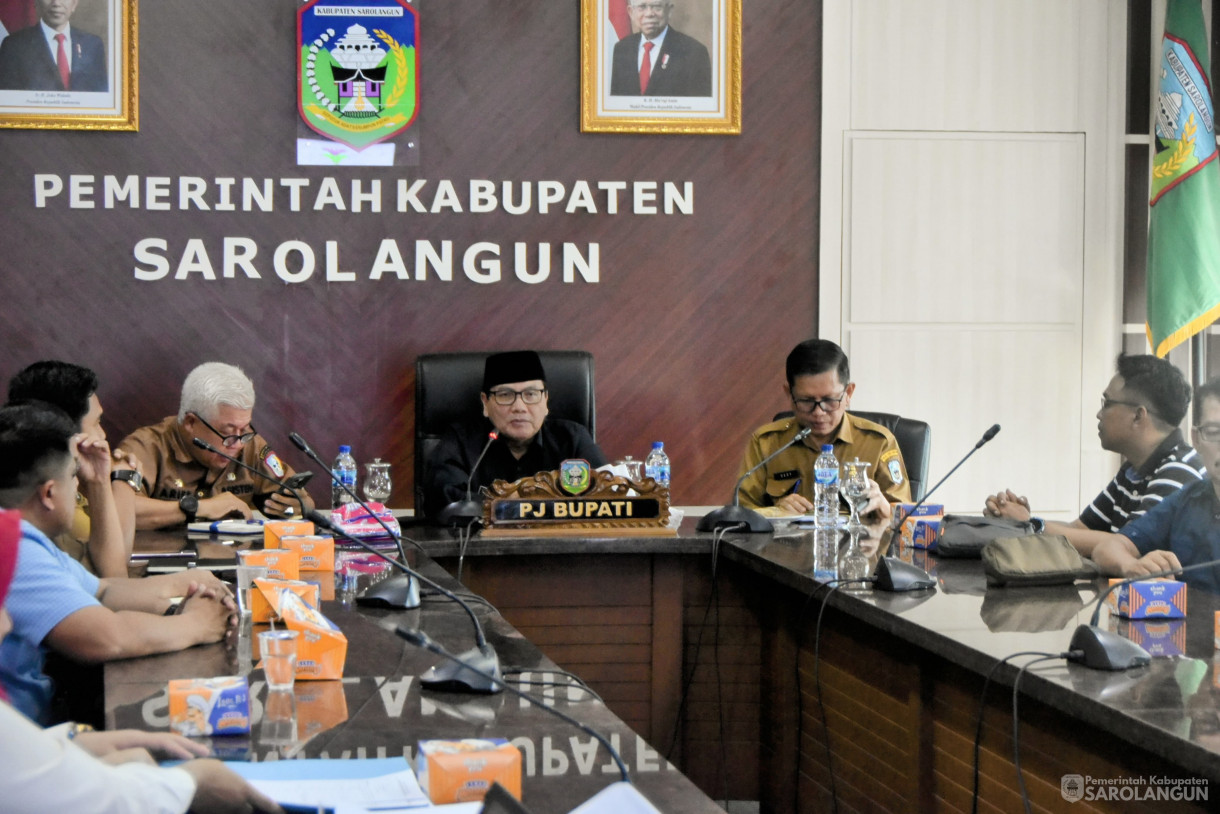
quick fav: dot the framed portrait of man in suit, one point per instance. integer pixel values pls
(660, 66)
(68, 64)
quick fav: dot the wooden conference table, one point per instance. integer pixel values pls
(379, 709)
(713, 666)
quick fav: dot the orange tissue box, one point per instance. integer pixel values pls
(1149, 599)
(317, 552)
(462, 771)
(281, 563)
(265, 598)
(922, 529)
(321, 646)
(209, 706)
(274, 531)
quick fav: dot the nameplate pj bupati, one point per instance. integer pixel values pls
(575, 498)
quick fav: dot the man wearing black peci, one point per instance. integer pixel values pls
(514, 398)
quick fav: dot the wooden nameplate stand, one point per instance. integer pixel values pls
(538, 506)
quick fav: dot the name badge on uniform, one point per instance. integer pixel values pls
(790, 474)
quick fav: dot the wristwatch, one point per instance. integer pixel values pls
(130, 477)
(189, 504)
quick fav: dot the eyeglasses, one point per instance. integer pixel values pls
(506, 396)
(1209, 433)
(655, 8)
(228, 440)
(1107, 403)
(827, 405)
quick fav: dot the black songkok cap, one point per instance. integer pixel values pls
(514, 366)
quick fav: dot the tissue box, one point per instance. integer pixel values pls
(463, 770)
(317, 552)
(274, 531)
(281, 563)
(209, 706)
(1149, 599)
(265, 598)
(1159, 637)
(321, 646)
(920, 530)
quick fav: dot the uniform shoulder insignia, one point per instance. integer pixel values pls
(889, 455)
(895, 469)
(272, 462)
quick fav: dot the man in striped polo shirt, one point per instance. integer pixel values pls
(1140, 412)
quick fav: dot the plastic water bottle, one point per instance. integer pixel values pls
(826, 488)
(826, 514)
(656, 465)
(345, 470)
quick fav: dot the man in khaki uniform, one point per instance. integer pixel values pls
(820, 388)
(185, 482)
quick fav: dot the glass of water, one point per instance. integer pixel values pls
(377, 483)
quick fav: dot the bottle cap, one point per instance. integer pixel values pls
(657, 444)
(828, 448)
(344, 449)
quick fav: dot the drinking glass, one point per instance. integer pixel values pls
(246, 574)
(377, 483)
(855, 488)
(279, 652)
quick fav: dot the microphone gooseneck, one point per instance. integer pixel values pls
(303, 445)
(426, 642)
(733, 514)
(899, 517)
(468, 511)
(204, 445)
(484, 652)
(892, 573)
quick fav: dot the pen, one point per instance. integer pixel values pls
(795, 487)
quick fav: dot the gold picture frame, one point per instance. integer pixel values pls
(103, 92)
(682, 95)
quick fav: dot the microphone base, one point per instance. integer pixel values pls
(401, 591)
(1103, 650)
(733, 515)
(897, 576)
(453, 677)
(460, 513)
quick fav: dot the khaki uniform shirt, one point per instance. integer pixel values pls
(856, 438)
(75, 541)
(170, 472)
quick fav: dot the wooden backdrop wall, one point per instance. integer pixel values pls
(690, 321)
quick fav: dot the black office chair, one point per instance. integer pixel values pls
(447, 391)
(914, 439)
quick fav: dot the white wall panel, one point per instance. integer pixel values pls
(997, 221)
(949, 379)
(971, 230)
(968, 64)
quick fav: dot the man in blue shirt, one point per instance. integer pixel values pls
(1184, 529)
(54, 602)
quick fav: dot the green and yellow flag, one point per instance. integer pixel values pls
(1184, 226)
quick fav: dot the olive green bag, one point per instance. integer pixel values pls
(1035, 559)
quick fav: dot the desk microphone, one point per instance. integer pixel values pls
(423, 640)
(892, 573)
(733, 514)
(443, 676)
(1104, 650)
(396, 592)
(460, 512)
